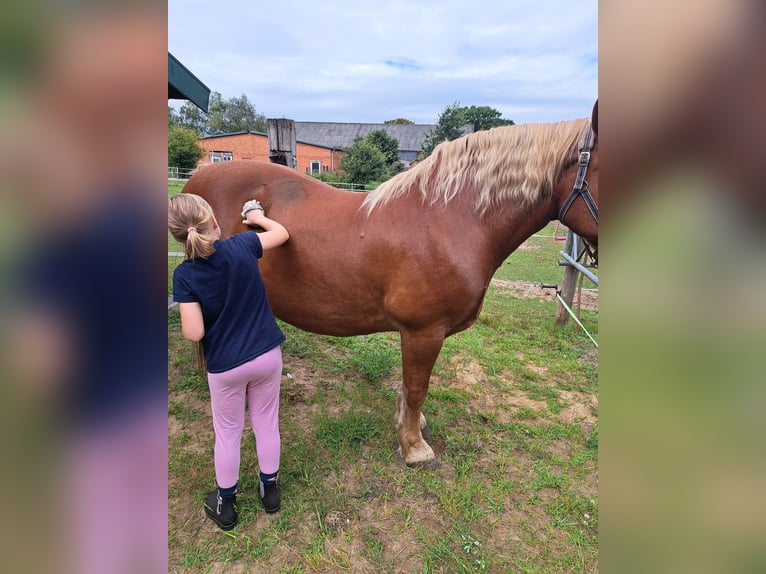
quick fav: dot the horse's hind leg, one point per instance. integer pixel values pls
(419, 352)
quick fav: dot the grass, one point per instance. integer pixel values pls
(174, 188)
(533, 262)
(347, 432)
(512, 407)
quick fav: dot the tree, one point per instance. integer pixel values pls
(223, 117)
(399, 121)
(173, 118)
(484, 118)
(453, 118)
(233, 115)
(183, 149)
(448, 127)
(363, 162)
(387, 144)
(190, 116)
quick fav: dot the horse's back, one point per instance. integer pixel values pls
(287, 196)
(234, 180)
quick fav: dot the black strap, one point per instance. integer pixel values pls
(581, 186)
(592, 253)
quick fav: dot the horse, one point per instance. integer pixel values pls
(416, 255)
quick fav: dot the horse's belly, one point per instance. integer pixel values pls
(339, 321)
(327, 310)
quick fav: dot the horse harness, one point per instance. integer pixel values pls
(581, 186)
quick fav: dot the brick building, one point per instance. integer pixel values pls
(328, 140)
(310, 158)
(411, 137)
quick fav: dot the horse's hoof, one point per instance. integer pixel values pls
(422, 457)
(432, 464)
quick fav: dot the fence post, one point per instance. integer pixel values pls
(282, 142)
(568, 284)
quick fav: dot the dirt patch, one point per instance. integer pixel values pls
(586, 298)
(190, 415)
(525, 406)
(539, 369)
(300, 382)
(470, 374)
(561, 448)
(483, 398)
(234, 568)
(175, 428)
(590, 357)
(580, 408)
(336, 519)
(508, 536)
(505, 403)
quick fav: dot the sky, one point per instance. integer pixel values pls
(371, 61)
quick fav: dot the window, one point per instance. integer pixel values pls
(315, 166)
(216, 156)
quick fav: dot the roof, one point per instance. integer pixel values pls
(183, 85)
(255, 133)
(337, 135)
(341, 135)
(232, 134)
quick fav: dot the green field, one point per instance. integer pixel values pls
(513, 408)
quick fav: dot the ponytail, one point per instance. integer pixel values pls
(190, 219)
(198, 245)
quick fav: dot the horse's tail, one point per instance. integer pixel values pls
(199, 357)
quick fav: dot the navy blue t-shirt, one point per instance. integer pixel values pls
(97, 281)
(239, 324)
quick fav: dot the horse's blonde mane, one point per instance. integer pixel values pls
(519, 163)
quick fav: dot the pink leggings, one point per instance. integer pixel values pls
(258, 381)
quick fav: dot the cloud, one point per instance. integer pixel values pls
(404, 64)
(368, 61)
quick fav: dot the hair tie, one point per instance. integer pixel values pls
(190, 229)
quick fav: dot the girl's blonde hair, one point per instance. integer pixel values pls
(190, 220)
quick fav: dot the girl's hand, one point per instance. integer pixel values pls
(274, 233)
(252, 211)
(254, 217)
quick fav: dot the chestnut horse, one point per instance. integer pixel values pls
(417, 254)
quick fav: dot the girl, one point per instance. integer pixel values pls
(222, 302)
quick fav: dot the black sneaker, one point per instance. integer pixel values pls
(222, 511)
(270, 496)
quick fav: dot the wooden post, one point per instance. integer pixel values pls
(282, 142)
(568, 284)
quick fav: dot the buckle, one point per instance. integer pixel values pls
(584, 157)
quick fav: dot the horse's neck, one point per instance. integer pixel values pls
(510, 227)
(496, 235)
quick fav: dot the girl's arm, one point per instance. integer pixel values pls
(192, 323)
(275, 233)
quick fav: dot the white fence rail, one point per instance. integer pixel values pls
(348, 186)
(180, 173)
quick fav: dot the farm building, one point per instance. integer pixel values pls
(341, 135)
(310, 158)
(319, 145)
